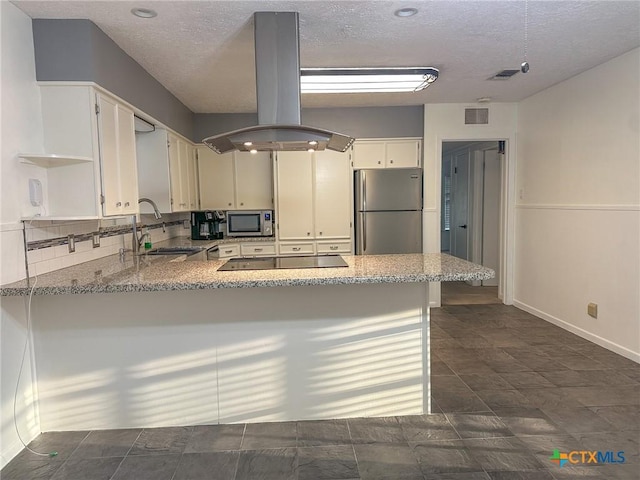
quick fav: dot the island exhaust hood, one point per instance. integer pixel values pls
(278, 93)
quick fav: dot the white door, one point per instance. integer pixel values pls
(295, 195)
(254, 181)
(174, 173)
(332, 195)
(193, 178)
(491, 216)
(403, 154)
(460, 206)
(216, 179)
(127, 166)
(368, 154)
(108, 138)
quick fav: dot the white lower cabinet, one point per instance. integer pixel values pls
(257, 249)
(297, 248)
(229, 250)
(247, 249)
(334, 247)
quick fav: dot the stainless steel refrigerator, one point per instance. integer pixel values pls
(388, 211)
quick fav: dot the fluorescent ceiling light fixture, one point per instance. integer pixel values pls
(366, 80)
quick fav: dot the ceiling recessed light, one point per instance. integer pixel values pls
(144, 12)
(405, 12)
(484, 100)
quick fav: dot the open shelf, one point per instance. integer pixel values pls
(51, 160)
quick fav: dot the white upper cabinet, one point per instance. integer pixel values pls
(253, 181)
(192, 171)
(313, 195)
(166, 171)
(117, 157)
(235, 180)
(215, 179)
(387, 153)
(95, 130)
(179, 165)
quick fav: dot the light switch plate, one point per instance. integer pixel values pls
(96, 239)
(592, 310)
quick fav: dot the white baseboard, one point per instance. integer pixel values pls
(603, 342)
(10, 451)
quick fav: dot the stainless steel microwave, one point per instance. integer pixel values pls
(250, 223)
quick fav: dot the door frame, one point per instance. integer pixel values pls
(507, 202)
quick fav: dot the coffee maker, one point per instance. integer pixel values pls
(207, 224)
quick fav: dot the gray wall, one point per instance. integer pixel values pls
(77, 50)
(359, 122)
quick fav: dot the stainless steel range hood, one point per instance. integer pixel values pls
(278, 92)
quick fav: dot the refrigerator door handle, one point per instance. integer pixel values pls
(364, 232)
(364, 190)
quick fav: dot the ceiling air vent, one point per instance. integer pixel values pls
(476, 116)
(504, 75)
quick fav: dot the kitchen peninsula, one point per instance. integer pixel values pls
(150, 342)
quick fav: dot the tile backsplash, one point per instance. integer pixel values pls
(48, 241)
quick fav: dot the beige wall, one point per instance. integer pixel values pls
(445, 122)
(21, 132)
(578, 204)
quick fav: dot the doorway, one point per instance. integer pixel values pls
(471, 189)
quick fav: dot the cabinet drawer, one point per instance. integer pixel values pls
(226, 251)
(306, 248)
(258, 249)
(340, 246)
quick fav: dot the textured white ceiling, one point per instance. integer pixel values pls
(202, 51)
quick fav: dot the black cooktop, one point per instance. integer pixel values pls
(274, 263)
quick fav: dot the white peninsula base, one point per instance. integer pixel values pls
(153, 359)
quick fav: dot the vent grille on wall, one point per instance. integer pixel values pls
(504, 75)
(476, 116)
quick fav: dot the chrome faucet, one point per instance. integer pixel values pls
(156, 212)
(136, 242)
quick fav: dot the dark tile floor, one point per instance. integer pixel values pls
(508, 389)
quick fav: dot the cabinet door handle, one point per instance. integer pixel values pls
(119, 204)
(126, 204)
(390, 161)
(241, 203)
(333, 247)
(296, 249)
(229, 204)
(257, 249)
(228, 251)
(308, 233)
(320, 233)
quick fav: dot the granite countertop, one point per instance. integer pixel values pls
(205, 244)
(163, 273)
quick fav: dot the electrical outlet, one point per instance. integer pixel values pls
(96, 239)
(186, 223)
(592, 310)
(71, 240)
